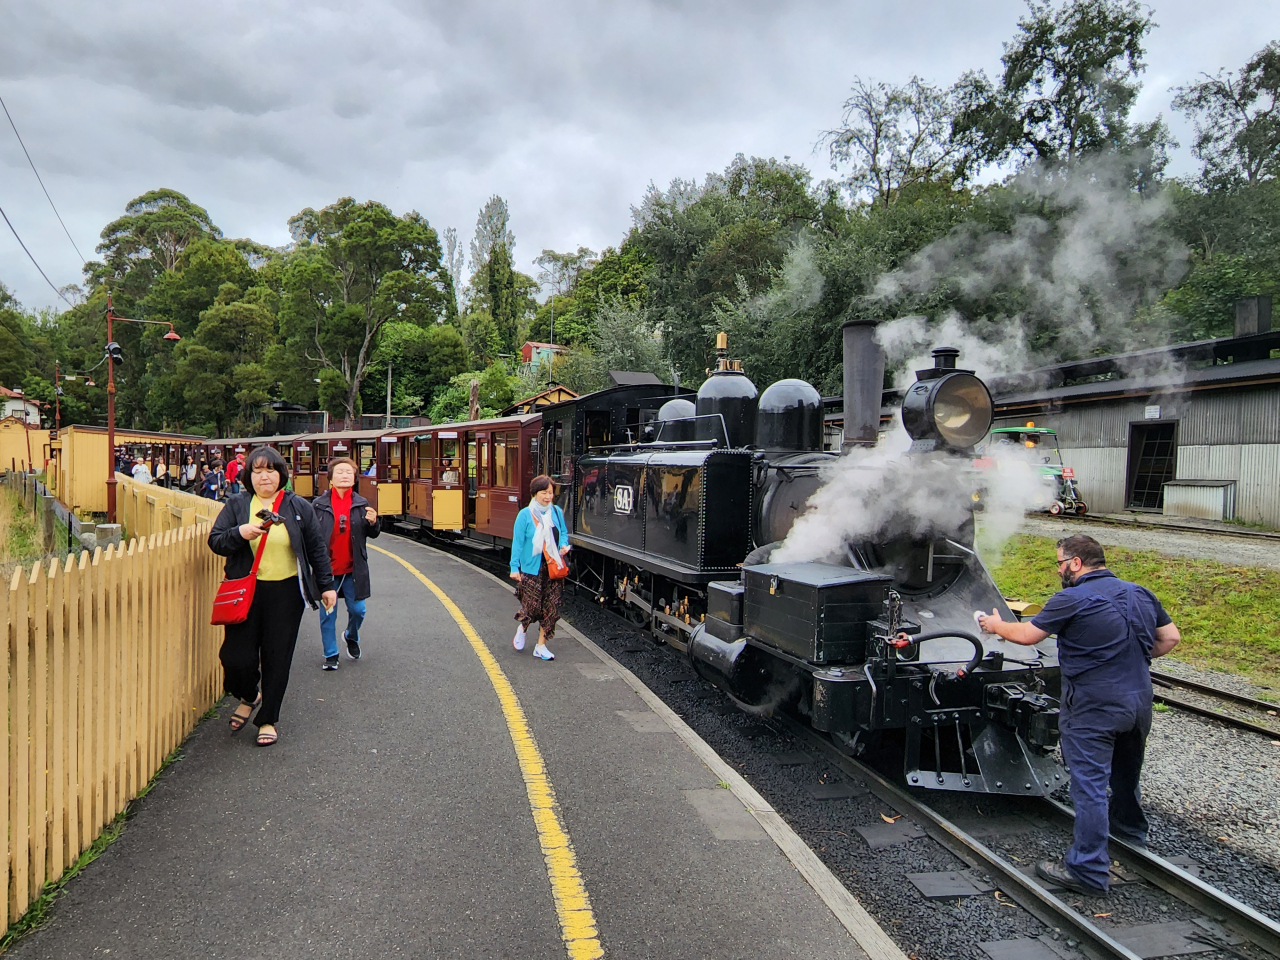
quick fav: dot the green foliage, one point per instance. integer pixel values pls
(1237, 120)
(1069, 83)
(622, 340)
(618, 274)
(357, 268)
(723, 239)
(423, 359)
(497, 392)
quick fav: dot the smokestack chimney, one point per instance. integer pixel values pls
(863, 383)
(1253, 315)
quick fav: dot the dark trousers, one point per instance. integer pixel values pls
(261, 648)
(1104, 739)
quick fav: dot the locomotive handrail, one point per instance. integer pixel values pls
(906, 640)
(724, 427)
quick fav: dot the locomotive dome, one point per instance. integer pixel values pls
(677, 409)
(729, 393)
(789, 417)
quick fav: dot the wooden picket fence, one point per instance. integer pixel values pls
(145, 508)
(111, 663)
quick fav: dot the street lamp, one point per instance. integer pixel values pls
(116, 355)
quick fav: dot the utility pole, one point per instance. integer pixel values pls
(388, 426)
(57, 400)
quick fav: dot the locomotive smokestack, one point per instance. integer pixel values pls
(863, 384)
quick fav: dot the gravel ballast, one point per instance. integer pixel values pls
(1234, 551)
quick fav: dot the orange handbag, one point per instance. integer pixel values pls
(235, 597)
(557, 566)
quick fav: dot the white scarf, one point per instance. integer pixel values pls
(544, 524)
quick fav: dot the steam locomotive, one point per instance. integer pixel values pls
(877, 646)
(676, 504)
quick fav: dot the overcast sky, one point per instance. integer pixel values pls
(568, 110)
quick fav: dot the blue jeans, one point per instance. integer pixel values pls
(1104, 739)
(346, 587)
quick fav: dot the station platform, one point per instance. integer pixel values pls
(446, 796)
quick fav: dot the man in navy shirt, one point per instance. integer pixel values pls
(1108, 630)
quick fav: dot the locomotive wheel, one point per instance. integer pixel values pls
(1055, 508)
(1082, 508)
(637, 616)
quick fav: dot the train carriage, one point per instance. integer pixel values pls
(471, 477)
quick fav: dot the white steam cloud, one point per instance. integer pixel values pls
(883, 494)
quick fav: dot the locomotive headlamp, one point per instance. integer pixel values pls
(947, 405)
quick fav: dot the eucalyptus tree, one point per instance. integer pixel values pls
(356, 268)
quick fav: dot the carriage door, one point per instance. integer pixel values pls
(472, 487)
(484, 483)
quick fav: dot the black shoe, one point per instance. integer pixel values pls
(1059, 874)
(330, 663)
(353, 647)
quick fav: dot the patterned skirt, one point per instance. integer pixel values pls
(539, 600)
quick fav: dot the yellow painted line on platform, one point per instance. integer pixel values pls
(573, 906)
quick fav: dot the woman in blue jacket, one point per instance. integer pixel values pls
(539, 525)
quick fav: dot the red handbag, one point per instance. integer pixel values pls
(235, 597)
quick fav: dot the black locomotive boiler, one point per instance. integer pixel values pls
(875, 644)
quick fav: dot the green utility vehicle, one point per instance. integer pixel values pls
(1039, 444)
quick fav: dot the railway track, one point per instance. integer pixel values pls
(1226, 922)
(1245, 713)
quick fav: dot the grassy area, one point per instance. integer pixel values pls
(1229, 616)
(19, 537)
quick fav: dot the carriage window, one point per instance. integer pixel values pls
(393, 461)
(426, 454)
(450, 471)
(556, 452)
(500, 460)
(365, 458)
(286, 453)
(483, 475)
(322, 455)
(304, 459)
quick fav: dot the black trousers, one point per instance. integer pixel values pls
(261, 648)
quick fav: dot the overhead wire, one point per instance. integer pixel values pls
(33, 259)
(41, 181)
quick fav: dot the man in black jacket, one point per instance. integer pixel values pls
(345, 519)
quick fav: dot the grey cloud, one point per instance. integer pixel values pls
(567, 109)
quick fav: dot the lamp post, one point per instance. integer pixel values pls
(116, 355)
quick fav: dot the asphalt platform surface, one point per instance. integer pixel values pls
(392, 820)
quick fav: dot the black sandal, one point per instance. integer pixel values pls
(266, 739)
(237, 722)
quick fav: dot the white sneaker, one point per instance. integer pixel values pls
(542, 653)
(518, 640)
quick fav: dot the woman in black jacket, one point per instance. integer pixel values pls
(346, 520)
(294, 568)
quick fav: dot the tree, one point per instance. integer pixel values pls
(725, 238)
(1237, 120)
(623, 339)
(455, 261)
(491, 230)
(892, 137)
(150, 237)
(423, 359)
(224, 380)
(357, 268)
(497, 392)
(1069, 83)
(502, 295)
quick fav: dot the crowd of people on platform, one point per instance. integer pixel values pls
(211, 479)
(321, 555)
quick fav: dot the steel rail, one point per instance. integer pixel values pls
(1023, 890)
(1242, 918)
(1227, 718)
(1167, 679)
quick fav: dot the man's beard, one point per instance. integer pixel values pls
(1068, 579)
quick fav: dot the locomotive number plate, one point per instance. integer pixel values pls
(623, 499)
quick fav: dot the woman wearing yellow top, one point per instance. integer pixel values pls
(294, 571)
